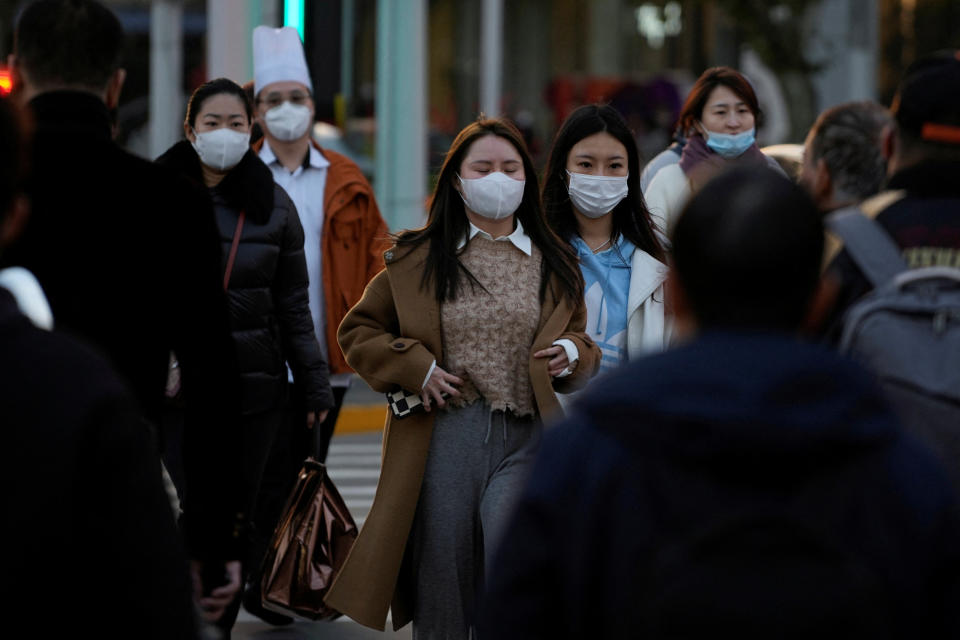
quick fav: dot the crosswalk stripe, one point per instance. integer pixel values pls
(356, 491)
(353, 474)
(353, 459)
(362, 447)
(356, 505)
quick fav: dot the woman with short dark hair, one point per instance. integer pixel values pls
(719, 120)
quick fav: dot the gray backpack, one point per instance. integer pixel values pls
(907, 330)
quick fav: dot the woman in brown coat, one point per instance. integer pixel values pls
(481, 313)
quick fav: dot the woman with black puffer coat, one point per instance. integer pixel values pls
(264, 275)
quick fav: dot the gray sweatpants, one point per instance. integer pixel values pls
(476, 467)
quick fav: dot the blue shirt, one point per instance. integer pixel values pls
(606, 277)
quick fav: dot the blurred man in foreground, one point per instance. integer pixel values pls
(745, 483)
(129, 258)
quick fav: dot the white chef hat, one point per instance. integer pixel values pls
(278, 57)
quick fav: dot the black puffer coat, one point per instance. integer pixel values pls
(267, 294)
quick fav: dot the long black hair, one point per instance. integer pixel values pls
(631, 219)
(447, 223)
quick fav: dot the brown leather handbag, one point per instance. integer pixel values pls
(309, 545)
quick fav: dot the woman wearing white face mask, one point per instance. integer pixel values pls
(592, 199)
(481, 313)
(719, 120)
(264, 275)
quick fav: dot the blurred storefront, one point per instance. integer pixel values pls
(532, 60)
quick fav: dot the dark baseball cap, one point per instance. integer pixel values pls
(927, 102)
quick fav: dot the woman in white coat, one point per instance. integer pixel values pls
(591, 197)
(719, 120)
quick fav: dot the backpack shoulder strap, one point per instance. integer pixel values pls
(870, 246)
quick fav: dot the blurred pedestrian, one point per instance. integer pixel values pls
(345, 235)
(898, 284)
(481, 313)
(744, 483)
(264, 274)
(843, 162)
(719, 121)
(920, 207)
(128, 256)
(82, 492)
(592, 200)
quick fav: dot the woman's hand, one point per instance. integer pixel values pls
(440, 382)
(558, 359)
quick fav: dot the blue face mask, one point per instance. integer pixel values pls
(730, 145)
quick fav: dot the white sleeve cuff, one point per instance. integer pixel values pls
(430, 373)
(573, 354)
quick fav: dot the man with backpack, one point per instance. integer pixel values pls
(898, 275)
(745, 483)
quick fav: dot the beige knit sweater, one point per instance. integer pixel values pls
(488, 331)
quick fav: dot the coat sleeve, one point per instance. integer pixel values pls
(589, 362)
(291, 300)
(370, 338)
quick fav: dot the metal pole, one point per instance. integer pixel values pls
(229, 40)
(346, 50)
(166, 74)
(401, 153)
(491, 57)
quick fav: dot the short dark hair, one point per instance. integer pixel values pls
(848, 138)
(709, 80)
(13, 154)
(68, 42)
(214, 88)
(747, 251)
(630, 217)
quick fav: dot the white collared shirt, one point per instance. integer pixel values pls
(306, 186)
(518, 238)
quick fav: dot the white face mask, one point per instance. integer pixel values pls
(596, 196)
(222, 148)
(288, 121)
(495, 196)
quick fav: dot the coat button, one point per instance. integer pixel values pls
(388, 255)
(398, 345)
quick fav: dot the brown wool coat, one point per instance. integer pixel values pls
(391, 338)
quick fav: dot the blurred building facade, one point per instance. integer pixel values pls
(428, 67)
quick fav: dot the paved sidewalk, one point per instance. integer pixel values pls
(364, 410)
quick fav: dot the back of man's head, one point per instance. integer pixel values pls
(927, 109)
(747, 252)
(848, 138)
(68, 43)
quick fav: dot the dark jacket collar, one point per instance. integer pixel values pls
(71, 112)
(248, 186)
(929, 179)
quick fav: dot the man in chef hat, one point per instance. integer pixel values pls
(344, 240)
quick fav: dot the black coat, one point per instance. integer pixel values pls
(88, 530)
(676, 444)
(267, 293)
(128, 255)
